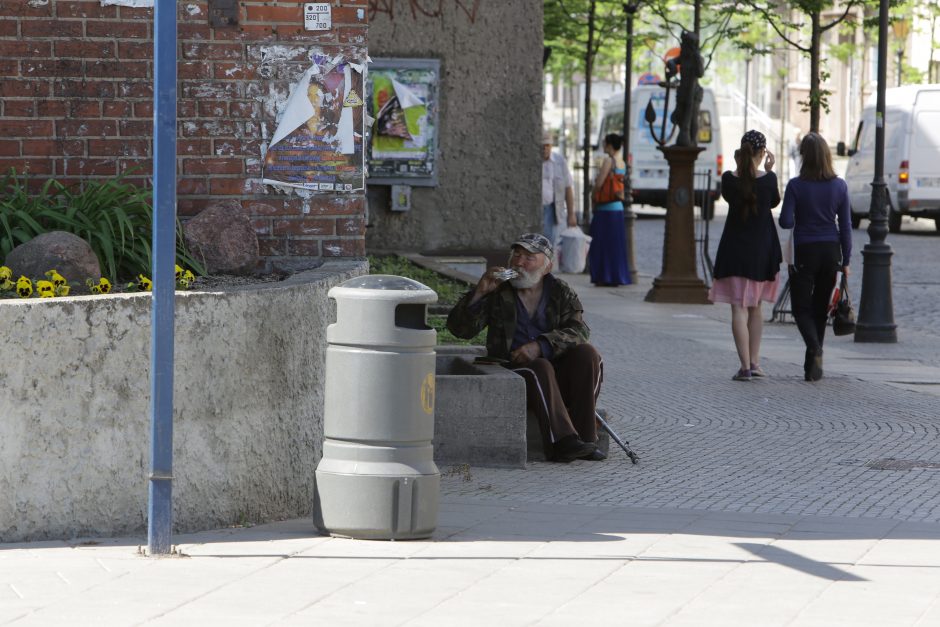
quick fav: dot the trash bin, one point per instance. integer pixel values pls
(377, 478)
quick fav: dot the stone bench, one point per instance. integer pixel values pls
(480, 416)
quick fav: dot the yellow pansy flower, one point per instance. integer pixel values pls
(24, 287)
(45, 288)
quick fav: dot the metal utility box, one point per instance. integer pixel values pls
(377, 478)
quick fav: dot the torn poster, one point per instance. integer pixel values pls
(403, 139)
(318, 141)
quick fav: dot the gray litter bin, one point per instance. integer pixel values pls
(377, 478)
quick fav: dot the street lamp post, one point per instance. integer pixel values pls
(629, 217)
(876, 310)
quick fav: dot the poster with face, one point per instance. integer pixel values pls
(318, 143)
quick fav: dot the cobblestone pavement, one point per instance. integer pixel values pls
(861, 443)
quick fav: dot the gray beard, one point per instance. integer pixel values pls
(525, 279)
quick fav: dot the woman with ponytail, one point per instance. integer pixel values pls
(607, 256)
(749, 255)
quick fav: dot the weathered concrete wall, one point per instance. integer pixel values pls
(74, 409)
(490, 122)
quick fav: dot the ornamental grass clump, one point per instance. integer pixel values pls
(114, 216)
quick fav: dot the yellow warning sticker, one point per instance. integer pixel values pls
(352, 100)
(427, 393)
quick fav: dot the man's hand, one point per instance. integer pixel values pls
(845, 271)
(487, 283)
(526, 353)
(572, 219)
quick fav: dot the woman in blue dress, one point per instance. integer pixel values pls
(607, 255)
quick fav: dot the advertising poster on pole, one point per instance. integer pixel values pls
(318, 143)
(403, 104)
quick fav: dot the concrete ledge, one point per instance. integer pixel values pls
(75, 418)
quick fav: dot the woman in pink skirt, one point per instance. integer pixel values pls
(749, 256)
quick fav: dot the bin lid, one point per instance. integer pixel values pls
(384, 282)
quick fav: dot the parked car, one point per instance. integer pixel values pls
(912, 156)
(649, 170)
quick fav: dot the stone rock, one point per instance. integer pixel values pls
(222, 238)
(56, 250)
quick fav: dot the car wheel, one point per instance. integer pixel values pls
(894, 221)
(857, 220)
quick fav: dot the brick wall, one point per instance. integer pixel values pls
(76, 102)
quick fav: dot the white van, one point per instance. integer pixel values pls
(650, 172)
(912, 156)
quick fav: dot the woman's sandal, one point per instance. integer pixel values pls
(742, 375)
(757, 372)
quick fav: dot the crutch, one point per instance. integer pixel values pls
(624, 445)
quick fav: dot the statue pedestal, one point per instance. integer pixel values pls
(679, 282)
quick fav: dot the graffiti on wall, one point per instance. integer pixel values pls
(423, 8)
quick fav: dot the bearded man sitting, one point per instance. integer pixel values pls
(535, 328)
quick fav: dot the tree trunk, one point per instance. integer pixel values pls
(586, 147)
(814, 90)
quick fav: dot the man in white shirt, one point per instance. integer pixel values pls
(557, 191)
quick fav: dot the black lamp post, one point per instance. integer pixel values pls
(629, 217)
(876, 310)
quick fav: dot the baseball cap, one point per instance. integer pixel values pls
(535, 243)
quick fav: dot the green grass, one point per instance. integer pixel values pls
(448, 291)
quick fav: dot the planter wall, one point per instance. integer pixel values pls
(248, 423)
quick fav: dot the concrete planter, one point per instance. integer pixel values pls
(248, 423)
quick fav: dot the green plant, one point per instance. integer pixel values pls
(114, 216)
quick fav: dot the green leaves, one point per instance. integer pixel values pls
(115, 218)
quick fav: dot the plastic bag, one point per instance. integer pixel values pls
(573, 250)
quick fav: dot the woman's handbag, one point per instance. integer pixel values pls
(611, 190)
(843, 316)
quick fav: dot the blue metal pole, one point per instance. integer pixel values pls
(160, 519)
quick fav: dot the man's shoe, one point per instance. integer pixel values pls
(597, 456)
(570, 448)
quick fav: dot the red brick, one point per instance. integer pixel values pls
(192, 11)
(212, 166)
(85, 49)
(213, 52)
(9, 148)
(246, 109)
(86, 128)
(92, 9)
(196, 31)
(350, 15)
(190, 147)
(19, 109)
(268, 14)
(118, 148)
(269, 207)
(229, 187)
(83, 89)
(143, 109)
(21, 8)
(136, 166)
(344, 248)
(117, 69)
(59, 29)
(116, 109)
(8, 28)
(193, 69)
(212, 109)
(9, 67)
(191, 206)
(133, 13)
(71, 147)
(262, 226)
(236, 147)
(209, 128)
(135, 50)
(136, 128)
(89, 167)
(236, 71)
(352, 35)
(41, 148)
(303, 247)
(60, 68)
(25, 128)
(186, 109)
(338, 206)
(297, 33)
(52, 108)
(251, 32)
(38, 166)
(84, 109)
(192, 186)
(25, 49)
(226, 90)
(135, 89)
(304, 226)
(117, 30)
(270, 247)
(350, 226)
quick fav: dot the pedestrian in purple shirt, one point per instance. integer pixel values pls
(816, 207)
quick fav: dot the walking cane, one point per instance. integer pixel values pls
(624, 445)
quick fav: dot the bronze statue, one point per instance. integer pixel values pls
(689, 93)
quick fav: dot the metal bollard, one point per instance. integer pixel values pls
(377, 478)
